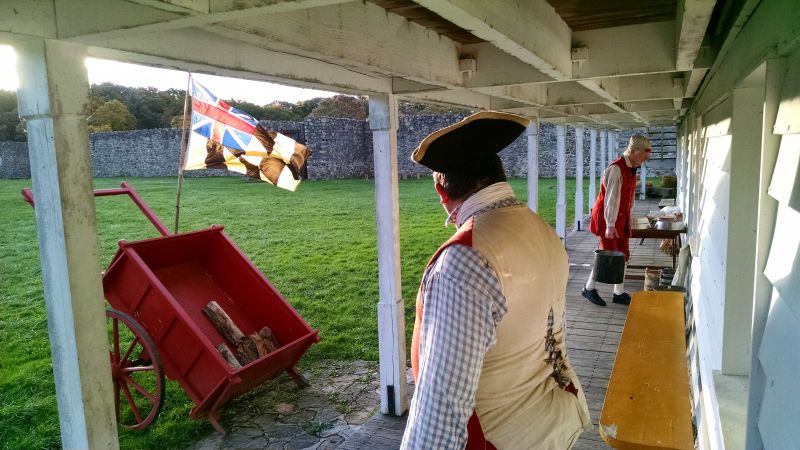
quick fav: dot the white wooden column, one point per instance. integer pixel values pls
(561, 177)
(592, 166)
(391, 316)
(53, 99)
(747, 121)
(643, 184)
(678, 166)
(612, 146)
(532, 133)
(578, 177)
(766, 218)
(603, 151)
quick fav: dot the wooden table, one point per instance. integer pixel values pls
(647, 403)
(666, 202)
(641, 228)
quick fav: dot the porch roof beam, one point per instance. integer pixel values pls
(197, 51)
(626, 50)
(120, 18)
(691, 22)
(359, 36)
(531, 31)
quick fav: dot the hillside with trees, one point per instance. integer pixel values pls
(120, 108)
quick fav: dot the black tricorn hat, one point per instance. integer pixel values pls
(460, 145)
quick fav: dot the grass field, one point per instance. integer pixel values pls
(317, 246)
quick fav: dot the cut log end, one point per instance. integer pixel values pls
(229, 357)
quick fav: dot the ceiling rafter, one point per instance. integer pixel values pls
(87, 19)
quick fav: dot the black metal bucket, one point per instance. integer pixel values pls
(609, 266)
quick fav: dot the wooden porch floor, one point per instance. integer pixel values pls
(593, 332)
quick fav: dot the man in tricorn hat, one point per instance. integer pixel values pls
(488, 351)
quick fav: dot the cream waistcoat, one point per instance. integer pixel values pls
(521, 401)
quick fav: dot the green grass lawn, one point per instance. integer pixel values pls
(317, 246)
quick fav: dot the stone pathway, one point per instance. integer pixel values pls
(339, 410)
(340, 398)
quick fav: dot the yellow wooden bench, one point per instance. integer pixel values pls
(647, 404)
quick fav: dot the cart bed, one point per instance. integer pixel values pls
(165, 282)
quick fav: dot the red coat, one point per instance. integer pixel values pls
(628, 190)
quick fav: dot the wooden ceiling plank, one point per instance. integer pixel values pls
(196, 50)
(83, 20)
(605, 24)
(692, 21)
(496, 67)
(359, 36)
(530, 31)
(628, 50)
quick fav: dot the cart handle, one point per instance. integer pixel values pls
(124, 188)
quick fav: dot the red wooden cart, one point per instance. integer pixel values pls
(157, 288)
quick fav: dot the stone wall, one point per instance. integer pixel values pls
(342, 148)
(14, 162)
(139, 153)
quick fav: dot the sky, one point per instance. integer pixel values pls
(133, 75)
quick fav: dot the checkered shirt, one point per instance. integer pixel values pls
(463, 304)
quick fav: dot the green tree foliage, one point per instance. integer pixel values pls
(342, 106)
(177, 122)
(11, 128)
(112, 116)
(278, 110)
(250, 108)
(116, 107)
(151, 108)
(423, 109)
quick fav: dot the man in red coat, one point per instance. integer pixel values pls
(611, 214)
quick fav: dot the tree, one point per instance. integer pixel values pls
(151, 108)
(11, 128)
(346, 106)
(8, 101)
(112, 116)
(425, 109)
(278, 110)
(177, 122)
(250, 108)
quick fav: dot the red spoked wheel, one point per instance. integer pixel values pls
(136, 371)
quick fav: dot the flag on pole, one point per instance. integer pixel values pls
(223, 137)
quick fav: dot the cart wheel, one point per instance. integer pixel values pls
(137, 372)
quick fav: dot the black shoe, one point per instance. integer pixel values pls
(593, 297)
(622, 299)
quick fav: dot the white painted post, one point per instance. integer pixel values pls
(678, 166)
(532, 133)
(740, 268)
(765, 227)
(391, 315)
(561, 177)
(578, 177)
(612, 147)
(53, 99)
(643, 175)
(592, 166)
(603, 151)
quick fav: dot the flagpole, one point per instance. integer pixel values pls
(182, 156)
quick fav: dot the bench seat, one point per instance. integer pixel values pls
(647, 403)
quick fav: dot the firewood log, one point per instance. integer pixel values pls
(229, 356)
(247, 350)
(223, 323)
(267, 334)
